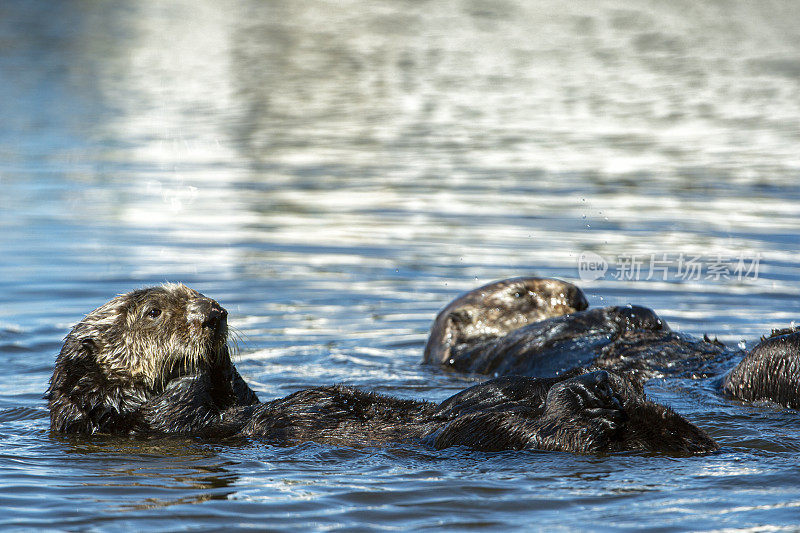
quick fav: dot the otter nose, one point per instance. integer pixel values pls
(207, 312)
(216, 315)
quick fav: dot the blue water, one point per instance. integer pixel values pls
(335, 173)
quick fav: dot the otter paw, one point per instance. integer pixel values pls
(589, 397)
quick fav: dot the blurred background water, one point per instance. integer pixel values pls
(334, 173)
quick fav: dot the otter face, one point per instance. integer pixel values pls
(131, 351)
(503, 307)
(496, 309)
(153, 335)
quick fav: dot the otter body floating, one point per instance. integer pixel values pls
(155, 362)
(520, 336)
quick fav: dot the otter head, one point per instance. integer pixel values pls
(498, 308)
(126, 351)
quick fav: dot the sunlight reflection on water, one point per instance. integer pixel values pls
(334, 173)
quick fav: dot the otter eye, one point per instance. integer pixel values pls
(154, 313)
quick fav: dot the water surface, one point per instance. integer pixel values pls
(333, 174)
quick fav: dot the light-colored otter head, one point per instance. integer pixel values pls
(498, 308)
(153, 335)
(125, 352)
(154, 359)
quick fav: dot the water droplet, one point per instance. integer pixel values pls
(451, 361)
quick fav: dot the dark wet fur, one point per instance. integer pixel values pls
(84, 398)
(589, 413)
(628, 340)
(632, 340)
(98, 387)
(770, 372)
(492, 311)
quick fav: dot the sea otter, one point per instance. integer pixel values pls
(155, 362)
(520, 337)
(124, 355)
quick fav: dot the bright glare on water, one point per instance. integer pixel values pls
(334, 173)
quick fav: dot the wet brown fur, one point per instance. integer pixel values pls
(493, 310)
(126, 369)
(630, 340)
(122, 355)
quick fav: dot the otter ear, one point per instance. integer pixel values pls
(89, 345)
(81, 347)
(442, 338)
(459, 316)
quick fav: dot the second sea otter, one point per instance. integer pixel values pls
(630, 340)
